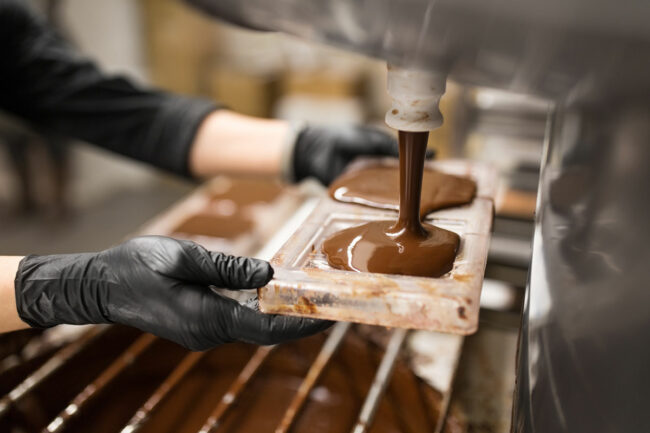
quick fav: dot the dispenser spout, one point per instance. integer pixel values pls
(416, 97)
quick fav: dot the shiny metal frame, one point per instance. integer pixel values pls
(144, 342)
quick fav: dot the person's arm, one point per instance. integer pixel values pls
(228, 143)
(9, 319)
(153, 283)
(233, 143)
(46, 82)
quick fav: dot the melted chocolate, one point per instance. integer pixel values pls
(229, 213)
(245, 192)
(377, 247)
(439, 190)
(406, 247)
(215, 226)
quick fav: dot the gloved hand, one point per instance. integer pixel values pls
(158, 285)
(324, 153)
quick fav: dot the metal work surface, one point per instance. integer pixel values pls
(583, 363)
(159, 377)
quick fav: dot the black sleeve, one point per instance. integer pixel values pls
(45, 82)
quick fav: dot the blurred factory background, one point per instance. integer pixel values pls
(58, 195)
(167, 44)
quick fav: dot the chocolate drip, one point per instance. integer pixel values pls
(406, 247)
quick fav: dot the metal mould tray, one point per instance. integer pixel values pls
(305, 285)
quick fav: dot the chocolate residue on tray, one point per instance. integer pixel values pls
(215, 226)
(245, 192)
(405, 247)
(378, 186)
(231, 210)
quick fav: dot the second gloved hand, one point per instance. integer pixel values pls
(156, 284)
(324, 152)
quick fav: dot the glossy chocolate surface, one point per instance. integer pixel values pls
(405, 247)
(378, 186)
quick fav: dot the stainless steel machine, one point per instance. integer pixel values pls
(583, 359)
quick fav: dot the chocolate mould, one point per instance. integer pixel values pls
(266, 218)
(305, 285)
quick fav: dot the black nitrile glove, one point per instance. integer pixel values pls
(324, 152)
(158, 285)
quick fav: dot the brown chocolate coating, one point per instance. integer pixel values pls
(406, 247)
(216, 226)
(378, 186)
(374, 247)
(245, 192)
(228, 216)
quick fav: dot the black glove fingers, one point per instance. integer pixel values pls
(254, 327)
(201, 319)
(198, 265)
(176, 259)
(323, 152)
(381, 143)
(365, 140)
(240, 273)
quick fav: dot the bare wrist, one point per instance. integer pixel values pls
(231, 143)
(9, 318)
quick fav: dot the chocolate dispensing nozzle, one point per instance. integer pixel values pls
(415, 98)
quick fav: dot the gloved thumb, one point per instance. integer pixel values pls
(379, 143)
(252, 326)
(240, 273)
(222, 270)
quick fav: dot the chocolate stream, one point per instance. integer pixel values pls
(406, 247)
